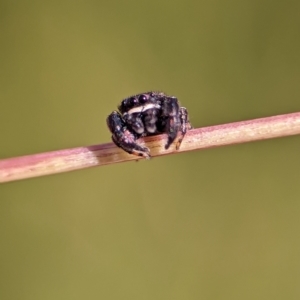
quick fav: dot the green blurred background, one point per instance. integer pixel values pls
(216, 224)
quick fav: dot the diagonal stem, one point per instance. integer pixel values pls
(99, 155)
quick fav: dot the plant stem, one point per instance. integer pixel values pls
(83, 157)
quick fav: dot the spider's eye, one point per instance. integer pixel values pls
(132, 101)
(142, 99)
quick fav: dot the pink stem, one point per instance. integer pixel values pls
(83, 157)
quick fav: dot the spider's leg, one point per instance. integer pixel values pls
(132, 148)
(170, 111)
(123, 137)
(185, 124)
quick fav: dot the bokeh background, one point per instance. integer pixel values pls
(215, 224)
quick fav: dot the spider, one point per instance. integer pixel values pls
(147, 114)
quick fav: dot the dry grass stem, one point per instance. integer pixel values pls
(99, 155)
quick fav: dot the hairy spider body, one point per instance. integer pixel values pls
(147, 114)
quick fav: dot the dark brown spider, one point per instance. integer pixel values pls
(147, 114)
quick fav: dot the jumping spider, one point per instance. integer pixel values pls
(147, 114)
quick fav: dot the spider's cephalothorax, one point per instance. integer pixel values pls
(147, 114)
